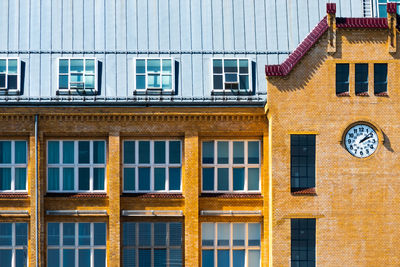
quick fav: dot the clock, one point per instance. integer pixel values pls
(361, 140)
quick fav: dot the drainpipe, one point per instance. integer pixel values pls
(36, 190)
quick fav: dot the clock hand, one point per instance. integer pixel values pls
(365, 138)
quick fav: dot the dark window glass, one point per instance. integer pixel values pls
(302, 161)
(303, 242)
(380, 78)
(129, 152)
(12, 82)
(84, 149)
(342, 78)
(361, 78)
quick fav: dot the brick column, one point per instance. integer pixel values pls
(114, 192)
(191, 186)
(267, 198)
(32, 192)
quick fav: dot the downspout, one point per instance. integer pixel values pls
(36, 190)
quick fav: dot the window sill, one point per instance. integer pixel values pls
(153, 92)
(153, 195)
(232, 195)
(10, 92)
(13, 195)
(78, 92)
(77, 195)
(382, 94)
(304, 192)
(362, 94)
(343, 94)
(231, 92)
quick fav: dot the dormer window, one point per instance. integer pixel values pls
(9, 75)
(154, 75)
(77, 76)
(231, 76)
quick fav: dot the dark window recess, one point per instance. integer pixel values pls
(302, 242)
(302, 161)
(342, 79)
(380, 78)
(361, 79)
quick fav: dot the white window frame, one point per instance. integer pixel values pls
(157, 90)
(5, 90)
(152, 247)
(230, 165)
(13, 246)
(230, 247)
(76, 247)
(383, 4)
(152, 165)
(229, 91)
(14, 165)
(70, 90)
(76, 167)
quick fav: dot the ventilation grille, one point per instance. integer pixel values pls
(367, 8)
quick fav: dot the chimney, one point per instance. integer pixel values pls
(392, 23)
(331, 19)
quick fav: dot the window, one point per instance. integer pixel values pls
(152, 244)
(302, 161)
(230, 244)
(76, 244)
(303, 242)
(151, 166)
(361, 79)
(155, 74)
(231, 75)
(380, 78)
(14, 244)
(76, 166)
(342, 79)
(13, 164)
(77, 75)
(231, 166)
(9, 74)
(382, 11)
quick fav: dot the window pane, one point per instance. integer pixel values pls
(2, 80)
(218, 82)
(12, 82)
(98, 179)
(223, 234)
(12, 66)
(20, 178)
(63, 66)
(53, 234)
(175, 258)
(140, 66)
(223, 258)
(5, 152)
(208, 152)
(253, 179)
(207, 234)
(144, 257)
(231, 78)
(69, 257)
(21, 258)
(84, 257)
(84, 178)
(217, 66)
(254, 258)
(144, 234)
(68, 179)
(175, 179)
(6, 257)
(84, 233)
(342, 78)
(98, 152)
(382, 11)
(244, 82)
(166, 65)
(54, 152)
(20, 152)
(129, 178)
(69, 233)
(144, 179)
(239, 233)
(129, 257)
(5, 234)
(63, 82)
(175, 152)
(175, 234)
(254, 234)
(208, 179)
(160, 257)
(160, 234)
(53, 257)
(68, 152)
(140, 82)
(89, 82)
(253, 152)
(129, 152)
(238, 152)
(99, 234)
(76, 65)
(380, 78)
(223, 152)
(144, 152)
(21, 234)
(361, 78)
(243, 66)
(223, 179)
(238, 258)
(129, 234)
(3, 65)
(100, 258)
(153, 65)
(159, 178)
(53, 179)
(230, 65)
(207, 258)
(154, 81)
(84, 150)
(167, 82)
(89, 66)
(76, 81)
(238, 179)
(5, 178)
(159, 152)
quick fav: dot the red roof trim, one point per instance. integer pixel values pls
(380, 23)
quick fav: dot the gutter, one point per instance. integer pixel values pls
(36, 190)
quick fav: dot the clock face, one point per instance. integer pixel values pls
(361, 140)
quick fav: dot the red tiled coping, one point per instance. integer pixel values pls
(343, 94)
(231, 195)
(391, 7)
(382, 94)
(14, 195)
(362, 94)
(152, 195)
(379, 23)
(305, 191)
(77, 195)
(331, 8)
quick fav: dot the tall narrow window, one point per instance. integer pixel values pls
(303, 242)
(10, 75)
(342, 79)
(232, 75)
(13, 164)
(154, 74)
(14, 244)
(302, 161)
(382, 9)
(361, 77)
(380, 78)
(77, 76)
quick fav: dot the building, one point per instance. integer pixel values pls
(135, 133)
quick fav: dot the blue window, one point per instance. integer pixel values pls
(154, 74)
(342, 78)
(152, 166)
(14, 244)
(152, 244)
(10, 74)
(13, 165)
(303, 242)
(382, 11)
(232, 75)
(380, 78)
(302, 161)
(77, 75)
(361, 78)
